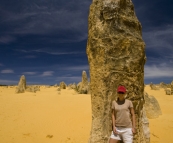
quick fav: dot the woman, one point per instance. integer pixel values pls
(123, 118)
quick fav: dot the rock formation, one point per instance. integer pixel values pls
(72, 86)
(56, 85)
(163, 85)
(32, 88)
(62, 85)
(59, 90)
(153, 87)
(172, 88)
(82, 86)
(168, 91)
(116, 55)
(152, 107)
(21, 85)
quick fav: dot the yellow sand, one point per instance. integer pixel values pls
(49, 117)
(161, 129)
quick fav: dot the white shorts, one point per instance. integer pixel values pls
(124, 134)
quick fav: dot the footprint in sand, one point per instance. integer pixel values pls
(49, 136)
(28, 134)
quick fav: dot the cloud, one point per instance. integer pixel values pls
(76, 68)
(47, 18)
(1, 64)
(158, 71)
(48, 73)
(7, 71)
(159, 37)
(7, 39)
(30, 57)
(29, 73)
(51, 51)
(8, 82)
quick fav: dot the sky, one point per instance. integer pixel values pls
(45, 40)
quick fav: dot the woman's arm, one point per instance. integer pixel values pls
(133, 120)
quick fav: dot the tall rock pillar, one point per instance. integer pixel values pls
(116, 55)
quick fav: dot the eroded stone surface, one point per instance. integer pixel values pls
(116, 55)
(21, 85)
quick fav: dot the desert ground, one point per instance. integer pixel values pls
(49, 117)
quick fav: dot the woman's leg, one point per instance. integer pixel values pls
(113, 140)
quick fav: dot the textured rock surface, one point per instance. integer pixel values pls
(62, 85)
(116, 55)
(83, 86)
(152, 107)
(21, 85)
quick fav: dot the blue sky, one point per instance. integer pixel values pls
(46, 40)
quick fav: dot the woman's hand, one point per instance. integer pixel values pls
(115, 131)
(133, 130)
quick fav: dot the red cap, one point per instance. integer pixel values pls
(121, 89)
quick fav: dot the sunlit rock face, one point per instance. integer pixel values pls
(116, 55)
(21, 85)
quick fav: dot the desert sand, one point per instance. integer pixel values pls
(49, 117)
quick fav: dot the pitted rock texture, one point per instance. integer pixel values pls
(21, 85)
(83, 86)
(152, 107)
(116, 55)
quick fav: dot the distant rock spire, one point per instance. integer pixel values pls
(21, 85)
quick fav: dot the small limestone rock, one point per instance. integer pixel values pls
(58, 89)
(163, 85)
(168, 91)
(56, 85)
(62, 85)
(154, 87)
(33, 89)
(152, 107)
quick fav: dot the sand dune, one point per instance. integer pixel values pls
(47, 116)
